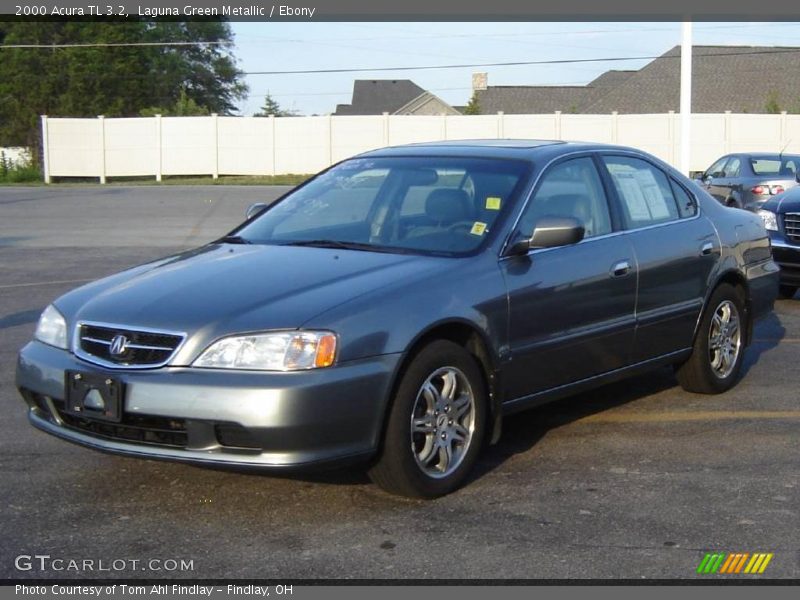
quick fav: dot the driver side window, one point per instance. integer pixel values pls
(569, 189)
(715, 170)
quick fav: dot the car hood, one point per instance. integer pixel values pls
(222, 289)
(789, 201)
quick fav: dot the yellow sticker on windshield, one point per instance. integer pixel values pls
(478, 228)
(492, 203)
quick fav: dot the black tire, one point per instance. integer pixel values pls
(787, 291)
(400, 468)
(731, 203)
(706, 371)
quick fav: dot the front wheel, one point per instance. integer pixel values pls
(436, 424)
(718, 350)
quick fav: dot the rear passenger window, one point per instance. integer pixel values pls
(644, 191)
(686, 204)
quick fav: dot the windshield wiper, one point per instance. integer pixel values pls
(336, 244)
(233, 239)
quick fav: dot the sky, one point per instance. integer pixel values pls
(319, 46)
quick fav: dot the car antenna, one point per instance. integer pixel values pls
(780, 154)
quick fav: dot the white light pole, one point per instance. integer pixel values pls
(686, 98)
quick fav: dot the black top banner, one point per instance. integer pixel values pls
(410, 10)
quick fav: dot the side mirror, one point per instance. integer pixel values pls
(254, 209)
(551, 232)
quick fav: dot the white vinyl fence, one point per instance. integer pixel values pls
(214, 145)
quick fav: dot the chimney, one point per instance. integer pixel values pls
(479, 81)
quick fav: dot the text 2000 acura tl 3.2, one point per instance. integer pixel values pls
(394, 308)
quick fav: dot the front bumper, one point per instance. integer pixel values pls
(236, 418)
(787, 257)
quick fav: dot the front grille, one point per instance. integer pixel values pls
(143, 429)
(134, 348)
(791, 226)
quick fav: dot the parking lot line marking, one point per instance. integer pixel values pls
(664, 417)
(19, 285)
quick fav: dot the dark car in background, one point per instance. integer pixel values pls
(747, 180)
(781, 216)
(393, 309)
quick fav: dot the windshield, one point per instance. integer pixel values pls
(780, 166)
(412, 204)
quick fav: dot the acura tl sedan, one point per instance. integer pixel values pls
(747, 180)
(394, 308)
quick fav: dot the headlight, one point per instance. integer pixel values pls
(281, 351)
(52, 328)
(770, 219)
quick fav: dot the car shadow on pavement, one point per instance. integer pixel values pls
(524, 430)
(767, 335)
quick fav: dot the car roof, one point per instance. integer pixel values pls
(490, 148)
(765, 154)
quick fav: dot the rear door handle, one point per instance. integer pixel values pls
(706, 249)
(620, 269)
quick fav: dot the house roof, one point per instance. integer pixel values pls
(735, 78)
(529, 99)
(375, 97)
(754, 79)
(525, 99)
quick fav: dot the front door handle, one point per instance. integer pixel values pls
(706, 249)
(620, 269)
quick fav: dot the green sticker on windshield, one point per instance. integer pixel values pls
(492, 203)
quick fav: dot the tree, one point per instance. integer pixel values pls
(473, 107)
(271, 107)
(116, 81)
(772, 106)
(183, 107)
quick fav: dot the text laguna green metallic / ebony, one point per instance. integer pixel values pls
(394, 308)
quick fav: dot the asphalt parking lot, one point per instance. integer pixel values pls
(634, 480)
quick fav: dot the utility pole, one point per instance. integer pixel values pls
(686, 98)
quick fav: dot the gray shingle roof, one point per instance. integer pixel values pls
(375, 97)
(530, 99)
(735, 78)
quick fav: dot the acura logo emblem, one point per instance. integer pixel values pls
(119, 344)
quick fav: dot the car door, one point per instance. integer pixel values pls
(571, 308)
(714, 179)
(730, 186)
(675, 248)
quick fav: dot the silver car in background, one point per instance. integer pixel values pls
(747, 180)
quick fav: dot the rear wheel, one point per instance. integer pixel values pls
(436, 424)
(787, 291)
(718, 350)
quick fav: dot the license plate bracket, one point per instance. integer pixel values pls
(93, 396)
